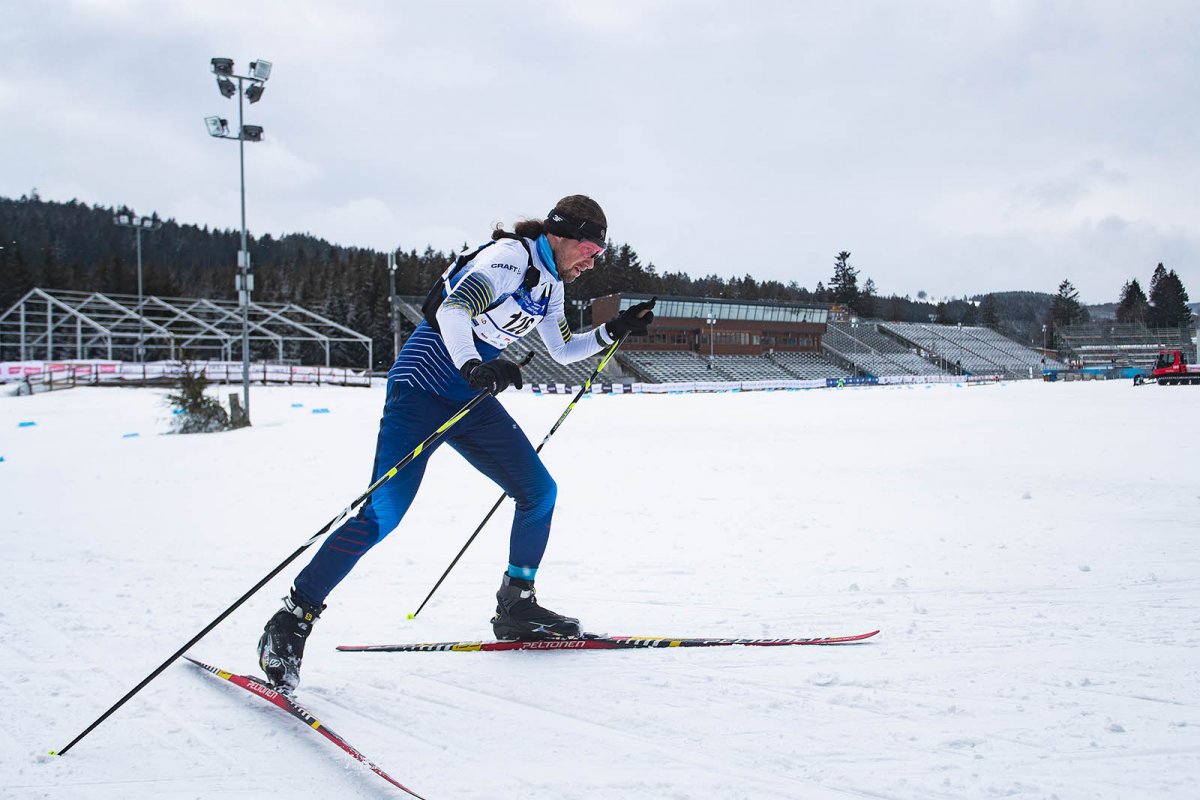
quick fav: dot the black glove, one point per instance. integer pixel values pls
(492, 376)
(635, 321)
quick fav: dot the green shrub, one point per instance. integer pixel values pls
(198, 413)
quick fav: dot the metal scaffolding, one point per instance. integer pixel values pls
(49, 324)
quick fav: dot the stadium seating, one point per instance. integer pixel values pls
(971, 349)
(809, 366)
(751, 368)
(682, 366)
(672, 366)
(874, 353)
(1108, 344)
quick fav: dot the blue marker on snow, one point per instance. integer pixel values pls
(26, 424)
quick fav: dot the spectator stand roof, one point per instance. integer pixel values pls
(730, 310)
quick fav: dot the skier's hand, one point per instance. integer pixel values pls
(492, 376)
(634, 321)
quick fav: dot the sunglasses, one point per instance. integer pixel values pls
(590, 249)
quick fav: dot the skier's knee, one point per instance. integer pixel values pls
(540, 497)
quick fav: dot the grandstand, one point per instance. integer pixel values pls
(676, 366)
(1114, 344)
(970, 350)
(808, 366)
(751, 368)
(713, 340)
(861, 344)
(409, 307)
(706, 339)
(670, 366)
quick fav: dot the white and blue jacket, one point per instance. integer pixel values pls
(490, 299)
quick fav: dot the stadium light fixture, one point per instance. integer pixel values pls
(260, 71)
(217, 126)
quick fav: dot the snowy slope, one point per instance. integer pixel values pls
(1028, 552)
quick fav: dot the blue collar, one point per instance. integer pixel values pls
(547, 255)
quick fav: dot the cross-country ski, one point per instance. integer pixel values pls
(596, 643)
(279, 699)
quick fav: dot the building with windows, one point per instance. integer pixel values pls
(714, 326)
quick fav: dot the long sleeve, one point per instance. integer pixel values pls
(468, 299)
(455, 324)
(564, 347)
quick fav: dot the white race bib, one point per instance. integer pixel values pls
(520, 313)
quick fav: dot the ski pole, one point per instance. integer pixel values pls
(387, 476)
(587, 385)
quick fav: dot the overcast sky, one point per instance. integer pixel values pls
(953, 147)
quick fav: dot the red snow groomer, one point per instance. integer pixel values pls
(1172, 369)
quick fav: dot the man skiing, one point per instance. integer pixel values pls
(484, 301)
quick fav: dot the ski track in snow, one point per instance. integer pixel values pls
(1027, 549)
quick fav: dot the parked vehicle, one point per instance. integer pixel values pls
(1172, 369)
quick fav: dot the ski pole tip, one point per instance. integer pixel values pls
(53, 752)
(412, 616)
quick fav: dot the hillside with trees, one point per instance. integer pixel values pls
(72, 245)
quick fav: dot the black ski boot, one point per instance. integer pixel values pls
(281, 648)
(518, 615)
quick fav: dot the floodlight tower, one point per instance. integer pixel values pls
(395, 306)
(260, 71)
(127, 219)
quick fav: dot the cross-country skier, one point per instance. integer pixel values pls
(484, 301)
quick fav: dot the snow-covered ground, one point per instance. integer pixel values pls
(1029, 551)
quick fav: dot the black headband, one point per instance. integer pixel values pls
(562, 224)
